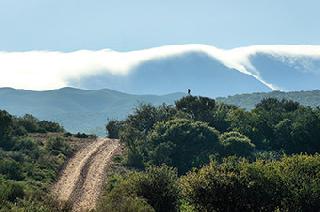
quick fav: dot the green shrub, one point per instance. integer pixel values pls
(113, 127)
(290, 184)
(28, 146)
(11, 169)
(30, 123)
(127, 204)
(200, 108)
(57, 145)
(156, 189)
(182, 144)
(10, 191)
(81, 135)
(5, 130)
(235, 143)
(49, 126)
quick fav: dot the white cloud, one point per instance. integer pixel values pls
(41, 70)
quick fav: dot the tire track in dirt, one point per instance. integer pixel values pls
(82, 179)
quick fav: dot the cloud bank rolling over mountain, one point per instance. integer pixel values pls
(167, 69)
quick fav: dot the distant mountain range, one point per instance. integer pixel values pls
(89, 110)
(77, 110)
(248, 101)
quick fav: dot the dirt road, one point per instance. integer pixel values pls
(82, 179)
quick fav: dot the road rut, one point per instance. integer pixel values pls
(81, 180)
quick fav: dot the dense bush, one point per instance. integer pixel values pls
(58, 145)
(156, 189)
(11, 169)
(181, 143)
(10, 191)
(274, 125)
(5, 130)
(30, 124)
(28, 166)
(253, 163)
(259, 186)
(200, 108)
(113, 127)
(49, 126)
(235, 143)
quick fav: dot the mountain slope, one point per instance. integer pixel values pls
(77, 110)
(248, 101)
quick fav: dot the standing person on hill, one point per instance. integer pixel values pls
(189, 92)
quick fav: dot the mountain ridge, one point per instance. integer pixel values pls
(77, 109)
(249, 100)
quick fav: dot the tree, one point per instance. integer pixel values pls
(235, 143)
(154, 189)
(146, 115)
(200, 108)
(5, 130)
(220, 117)
(49, 126)
(181, 143)
(289, 184)
(30, 123)
(113, 128)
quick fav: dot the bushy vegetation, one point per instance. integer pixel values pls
(169, 143)
(290, 184)
(155, 189)
(28, 166)
(248, 101)
(227, 158)
(33, 125)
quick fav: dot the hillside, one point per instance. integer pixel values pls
(248, 101)
(77, 110)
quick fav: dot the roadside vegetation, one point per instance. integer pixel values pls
(200, 155)
(31, 154)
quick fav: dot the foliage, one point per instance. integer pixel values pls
(198, 107)
(5, 129)
(10, 191)
(57, 145)
(254, 166)
(113, 127)
(156, 189)
(28, 166)
(235, 143)
(181, 143)
(49, 126)
(30, 124)
(11, 169)
(259, 186)
(248, 101)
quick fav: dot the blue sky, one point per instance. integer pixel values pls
(67, 25)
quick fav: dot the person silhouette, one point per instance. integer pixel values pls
(189, 91)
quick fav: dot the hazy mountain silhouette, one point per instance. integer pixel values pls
(77, 110)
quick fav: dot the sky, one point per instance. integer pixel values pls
(125, 25)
